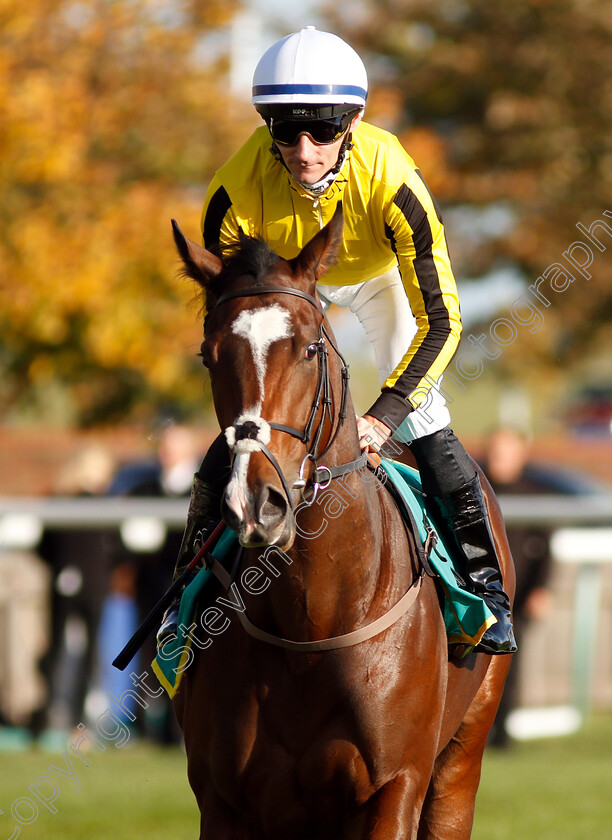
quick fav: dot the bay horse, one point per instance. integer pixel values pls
(381, 737)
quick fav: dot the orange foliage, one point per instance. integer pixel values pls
(430, 153)
(109, 127)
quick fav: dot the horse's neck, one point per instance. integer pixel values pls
(338, 558)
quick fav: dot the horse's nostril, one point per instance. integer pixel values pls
(272, 507)
(230, 515)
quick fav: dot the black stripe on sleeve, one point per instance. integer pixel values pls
(433, 200)
(435, 204)
(217, 208)
(416, 216)
(391, 237)
(429, 284)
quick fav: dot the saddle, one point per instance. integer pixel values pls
(466, 616)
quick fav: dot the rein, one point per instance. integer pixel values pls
(253, 432)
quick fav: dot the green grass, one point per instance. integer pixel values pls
(133, 793)
(557, 789)
(553, 789)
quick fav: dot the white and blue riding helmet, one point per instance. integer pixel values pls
(309, 75)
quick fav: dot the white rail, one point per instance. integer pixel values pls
(582, 525)
(111, 512)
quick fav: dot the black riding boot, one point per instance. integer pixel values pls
(450, 480)
(203, 516)
(465, 515)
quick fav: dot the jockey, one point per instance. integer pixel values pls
(393, 272)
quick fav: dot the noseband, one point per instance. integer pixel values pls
(248, 433)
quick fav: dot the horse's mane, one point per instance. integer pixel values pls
(250, 256)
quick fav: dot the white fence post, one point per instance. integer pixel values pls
(589, 548)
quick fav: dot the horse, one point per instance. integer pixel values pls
(305, 720)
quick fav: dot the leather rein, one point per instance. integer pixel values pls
(320, 478)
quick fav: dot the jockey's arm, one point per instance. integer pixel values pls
(418, 239)
(219, 222)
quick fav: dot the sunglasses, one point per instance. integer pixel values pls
(321, 132)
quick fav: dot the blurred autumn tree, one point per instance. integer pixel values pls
(508, 104)
(114, 116)
(116, 112)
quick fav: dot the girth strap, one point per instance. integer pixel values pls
(355, 637)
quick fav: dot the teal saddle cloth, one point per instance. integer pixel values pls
(466, 616)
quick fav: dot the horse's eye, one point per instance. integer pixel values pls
(310, 352)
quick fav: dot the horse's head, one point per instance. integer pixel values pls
(275, 374)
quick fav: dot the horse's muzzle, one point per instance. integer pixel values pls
(260, 518)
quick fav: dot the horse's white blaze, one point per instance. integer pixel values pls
(236, 492)
(261, 328)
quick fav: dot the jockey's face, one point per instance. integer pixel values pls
(308, 162)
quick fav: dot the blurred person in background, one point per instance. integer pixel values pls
(140, 575)
(77, 559)
(507, 466)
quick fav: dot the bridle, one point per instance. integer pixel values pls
(250, 434)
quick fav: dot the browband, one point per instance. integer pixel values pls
(267, 290)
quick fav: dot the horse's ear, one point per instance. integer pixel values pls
(199, 264)
(318, 255)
